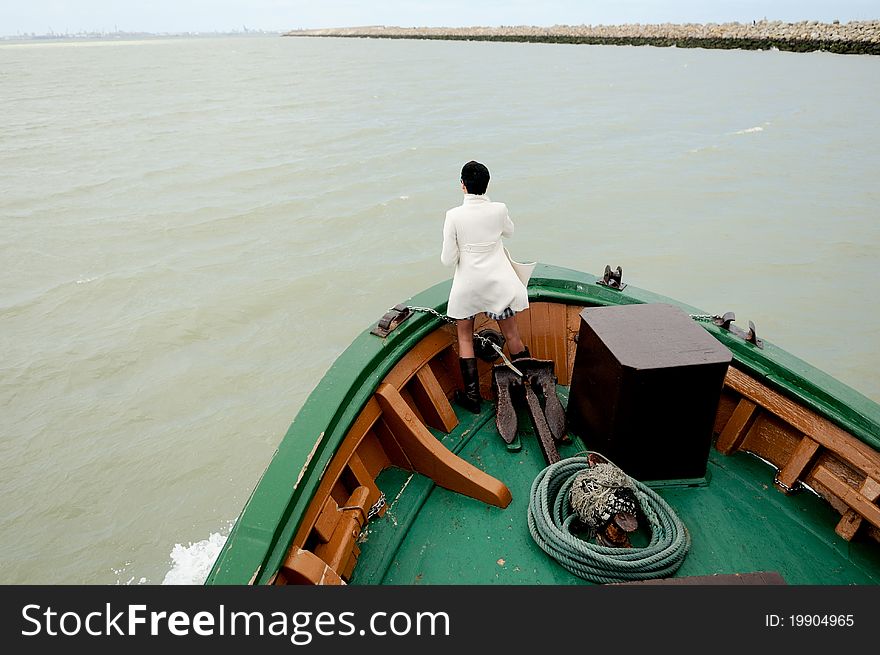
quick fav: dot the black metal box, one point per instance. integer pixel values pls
(645, 389)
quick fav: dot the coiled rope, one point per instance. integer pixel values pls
(551, 516)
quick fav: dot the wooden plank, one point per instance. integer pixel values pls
(799, 461)
(352, 561)
(391, 447)
(433, 403)
(540, 324)
(429, 457)
(574, 326)
(855, 500)
(851, 521)
(327, 520)
(364, 478)
(737, 427)
(726, 404)
(849, 524)
(372, 454)
(420, 354)
(408, 398)
(447, 371)
(340, 491)
(772, 438)
(524, 325)
(842, 469)
(812, 425)
(558, 344)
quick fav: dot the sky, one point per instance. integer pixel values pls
(166, 16)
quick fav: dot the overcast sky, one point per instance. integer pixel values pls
(43, 16)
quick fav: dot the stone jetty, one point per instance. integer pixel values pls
(856, 37)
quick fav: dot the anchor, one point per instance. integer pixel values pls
(537, 389)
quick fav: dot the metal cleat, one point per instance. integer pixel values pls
(391, 320)
(612, 279)
(751, 335)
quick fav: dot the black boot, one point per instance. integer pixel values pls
(521, 355)
(470, 397)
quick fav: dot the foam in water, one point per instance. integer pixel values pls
(750, 130)
(191, 564)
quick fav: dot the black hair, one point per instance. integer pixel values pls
(475, 177)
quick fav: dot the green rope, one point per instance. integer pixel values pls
(551, 517)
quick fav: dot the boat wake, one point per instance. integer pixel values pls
(191, 564)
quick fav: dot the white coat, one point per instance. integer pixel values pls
(484, 280)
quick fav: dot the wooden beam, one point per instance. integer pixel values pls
(432, 402)
(851, 521)
(304, 567)
(372, 454)
(364, 478)
(341, 548)
(423, 352)
(798, 462)
(856, 501)
(327, 520)
(572, 331)
(429, 457)
(835, 439)
(389, 444)
(734, 433)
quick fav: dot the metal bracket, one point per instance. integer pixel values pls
(391, 320)
(726, 322)
(612, 279)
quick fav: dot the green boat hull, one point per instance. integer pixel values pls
(259, 541)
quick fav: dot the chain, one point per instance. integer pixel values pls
(451, 321)
(704, 317)
(483, 340)
(377, 506)
(429, 310)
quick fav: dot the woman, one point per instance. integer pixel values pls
(484, 280)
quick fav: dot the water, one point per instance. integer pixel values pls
(192, 230)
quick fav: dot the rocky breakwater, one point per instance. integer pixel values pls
(857, 37)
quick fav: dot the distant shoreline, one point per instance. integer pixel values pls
(857, 37)
(127, 36)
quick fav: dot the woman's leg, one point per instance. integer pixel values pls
(510, 330)
(465, 329)
(469, 397)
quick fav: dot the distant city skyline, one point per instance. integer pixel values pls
(167, 16)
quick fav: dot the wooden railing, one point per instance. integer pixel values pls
(807, 449)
